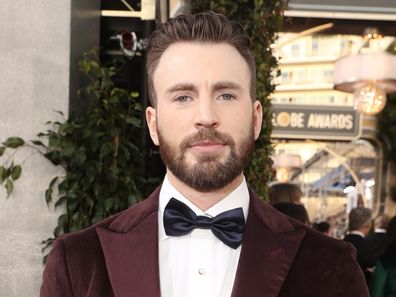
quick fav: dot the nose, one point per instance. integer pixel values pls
(206, 115)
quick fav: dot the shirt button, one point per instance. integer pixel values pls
(201, 271)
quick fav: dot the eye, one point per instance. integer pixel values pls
(226, 97)
(182, 98)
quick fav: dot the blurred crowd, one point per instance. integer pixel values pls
(374, 239)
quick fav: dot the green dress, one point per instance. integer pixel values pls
(383, 281)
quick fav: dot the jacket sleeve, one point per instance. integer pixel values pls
(350, 278)
(377, 283)
(56, 280)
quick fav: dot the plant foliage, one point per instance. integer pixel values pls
(98, 150)
(9, 172)
(261, 20)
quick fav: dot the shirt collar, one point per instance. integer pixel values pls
(355, 232)
(379, 230)
(237, 198)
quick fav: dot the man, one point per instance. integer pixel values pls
(205, 119)
(376, 239)
(359, 227)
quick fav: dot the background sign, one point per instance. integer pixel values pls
(315, 122)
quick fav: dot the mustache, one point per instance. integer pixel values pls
(207, 134)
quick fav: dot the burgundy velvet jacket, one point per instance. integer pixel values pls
(280, 257)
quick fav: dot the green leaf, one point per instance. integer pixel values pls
(57, 231)
(138, 107)
(59, 112)
(49, 190)
(106, 80)
(14, 142)
(46, 241)
(63, 221)
(53, 140)
(80, 156)
(68, 148)
(2, 150)
(108, 204)
(48, 196)
(72, 205)
(60, 201)
(94, 69)
(54, 157)
(3, 174)
(53, 181)
(89, 202)
(63, 186)
(38, 142)
(41, 134)
(106, 149)
(9, 187)
(133, 121)
(16, 172)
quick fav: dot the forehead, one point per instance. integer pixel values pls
(200, 63)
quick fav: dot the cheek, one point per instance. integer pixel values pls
(171, 127)
(240, 125)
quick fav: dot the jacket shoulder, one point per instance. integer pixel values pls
(278, 222)
(320, 241)
(76, 261)
(322, 260)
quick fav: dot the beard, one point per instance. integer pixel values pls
(211, 170)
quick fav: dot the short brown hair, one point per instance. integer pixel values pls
(284, 192)
(359, 217)
(204, 27)
(381, 221)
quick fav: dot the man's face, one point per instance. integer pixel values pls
(205, 122)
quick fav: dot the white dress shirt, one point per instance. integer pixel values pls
(198, 264)
(355, 232)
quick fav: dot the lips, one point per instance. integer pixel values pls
(207, 146)
(207, 143)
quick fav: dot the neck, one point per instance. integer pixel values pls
(203, 200)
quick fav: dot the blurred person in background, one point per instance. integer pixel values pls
(359, 227)
(284, 192)
(377, 238)
(323, 227)
(286, 198)
(293, 210)
(383, 281)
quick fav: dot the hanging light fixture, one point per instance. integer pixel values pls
(369, 98)
(369, 75)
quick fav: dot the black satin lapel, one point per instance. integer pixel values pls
(132, 259)
(265, 260)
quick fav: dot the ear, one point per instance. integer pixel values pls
(257, 118)
(151, 119)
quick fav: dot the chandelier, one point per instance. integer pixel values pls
(369, 75)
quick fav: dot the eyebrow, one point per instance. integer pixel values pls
(230, 85)
(182, 87)
(221, 85)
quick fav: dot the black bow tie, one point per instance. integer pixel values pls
(228, 226)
